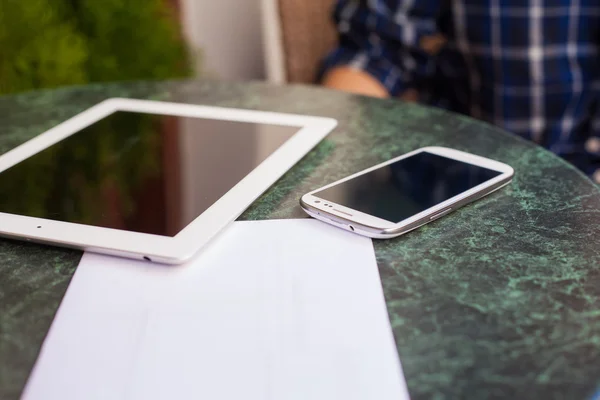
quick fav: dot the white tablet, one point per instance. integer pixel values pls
(148, 180)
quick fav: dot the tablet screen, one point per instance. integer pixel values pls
(139, 172)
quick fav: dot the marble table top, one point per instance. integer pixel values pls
(500, 299)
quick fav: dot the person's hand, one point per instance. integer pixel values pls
(357, 81)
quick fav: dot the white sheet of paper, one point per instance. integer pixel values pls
(287, 309)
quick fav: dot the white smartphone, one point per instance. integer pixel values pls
(404, 193)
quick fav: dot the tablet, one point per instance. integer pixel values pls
(145, 179)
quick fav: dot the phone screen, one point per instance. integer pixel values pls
(407, 187)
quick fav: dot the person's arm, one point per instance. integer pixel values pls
(379, 52)
(354, 81)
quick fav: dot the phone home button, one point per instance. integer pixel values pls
(436, 216)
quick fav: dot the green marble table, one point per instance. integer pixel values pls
(501, 299)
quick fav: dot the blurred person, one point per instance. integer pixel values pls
(531, 67)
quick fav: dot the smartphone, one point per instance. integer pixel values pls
(404, 193)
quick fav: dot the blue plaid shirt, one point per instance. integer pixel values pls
(531, 67)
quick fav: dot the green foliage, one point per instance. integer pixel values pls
(130, 39)
(50, 43)
(38, 47)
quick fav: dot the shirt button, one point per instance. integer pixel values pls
(596, 176)
(592, 145)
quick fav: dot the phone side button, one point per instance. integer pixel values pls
(436, 216)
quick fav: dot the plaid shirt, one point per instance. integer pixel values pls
(533, 69)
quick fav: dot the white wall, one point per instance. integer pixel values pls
(228, 34)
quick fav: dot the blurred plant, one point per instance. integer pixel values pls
(130, 39)
(38, 47)
(50, 43)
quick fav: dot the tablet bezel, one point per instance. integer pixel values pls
(163, 249)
